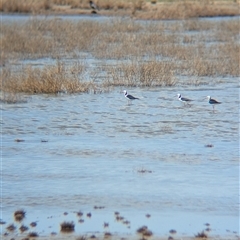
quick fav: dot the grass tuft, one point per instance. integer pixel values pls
(11, 227)
(19, 215)
(51, 79)
(67, 227)
(23, 228)
(32, 234)
(201, 235)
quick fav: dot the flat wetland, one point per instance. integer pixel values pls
(79, 161)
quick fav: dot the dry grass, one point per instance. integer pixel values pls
(138, 54)
(24, 6)
(189, 9)
(67, 227)
(38, 38)
(19, 215)
(201, 235)
(51, 79)
(140, 74)
(138, 8)
(39, 6)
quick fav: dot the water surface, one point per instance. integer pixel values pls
(179, 163)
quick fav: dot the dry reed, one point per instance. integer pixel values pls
(51, 79)
(38, 38)
(138, 8)
(67, 227)
(189, 9)
(140, 54)
(140, 74)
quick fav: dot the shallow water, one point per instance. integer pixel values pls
(97, 145)
(86, 150)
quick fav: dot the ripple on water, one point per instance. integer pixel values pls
(95, 146)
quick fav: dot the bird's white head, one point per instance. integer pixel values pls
(179, 95)
(208, 97)
(125, 92)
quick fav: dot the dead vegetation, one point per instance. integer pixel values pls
(201, 235)
(140, 74)
(19, 215)
(138, 8)
(51, 79)
(189, 9)
(67, 227)
(129, 53)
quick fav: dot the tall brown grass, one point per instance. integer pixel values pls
(25, 6)
(189, 9)
(38, 38)
(51, 79)
(140, 74)
(129, 53)
(138, 8)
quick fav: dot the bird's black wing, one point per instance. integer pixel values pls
(186, 99)
(131, 97)
(213, 101)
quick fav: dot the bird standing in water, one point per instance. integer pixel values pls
(128, 96)
(182, 99)
(213, 102)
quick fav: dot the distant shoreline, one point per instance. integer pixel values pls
(134, 9)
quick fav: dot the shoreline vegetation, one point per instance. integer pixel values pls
(153, 54)
(139, 9)
(136, 53)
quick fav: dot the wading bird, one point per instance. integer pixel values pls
(212, 101)
(128, 96)
(182, 99)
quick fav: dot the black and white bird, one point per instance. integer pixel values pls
(128, 96)
(93, 6)
(213, 102)
(182, 99)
